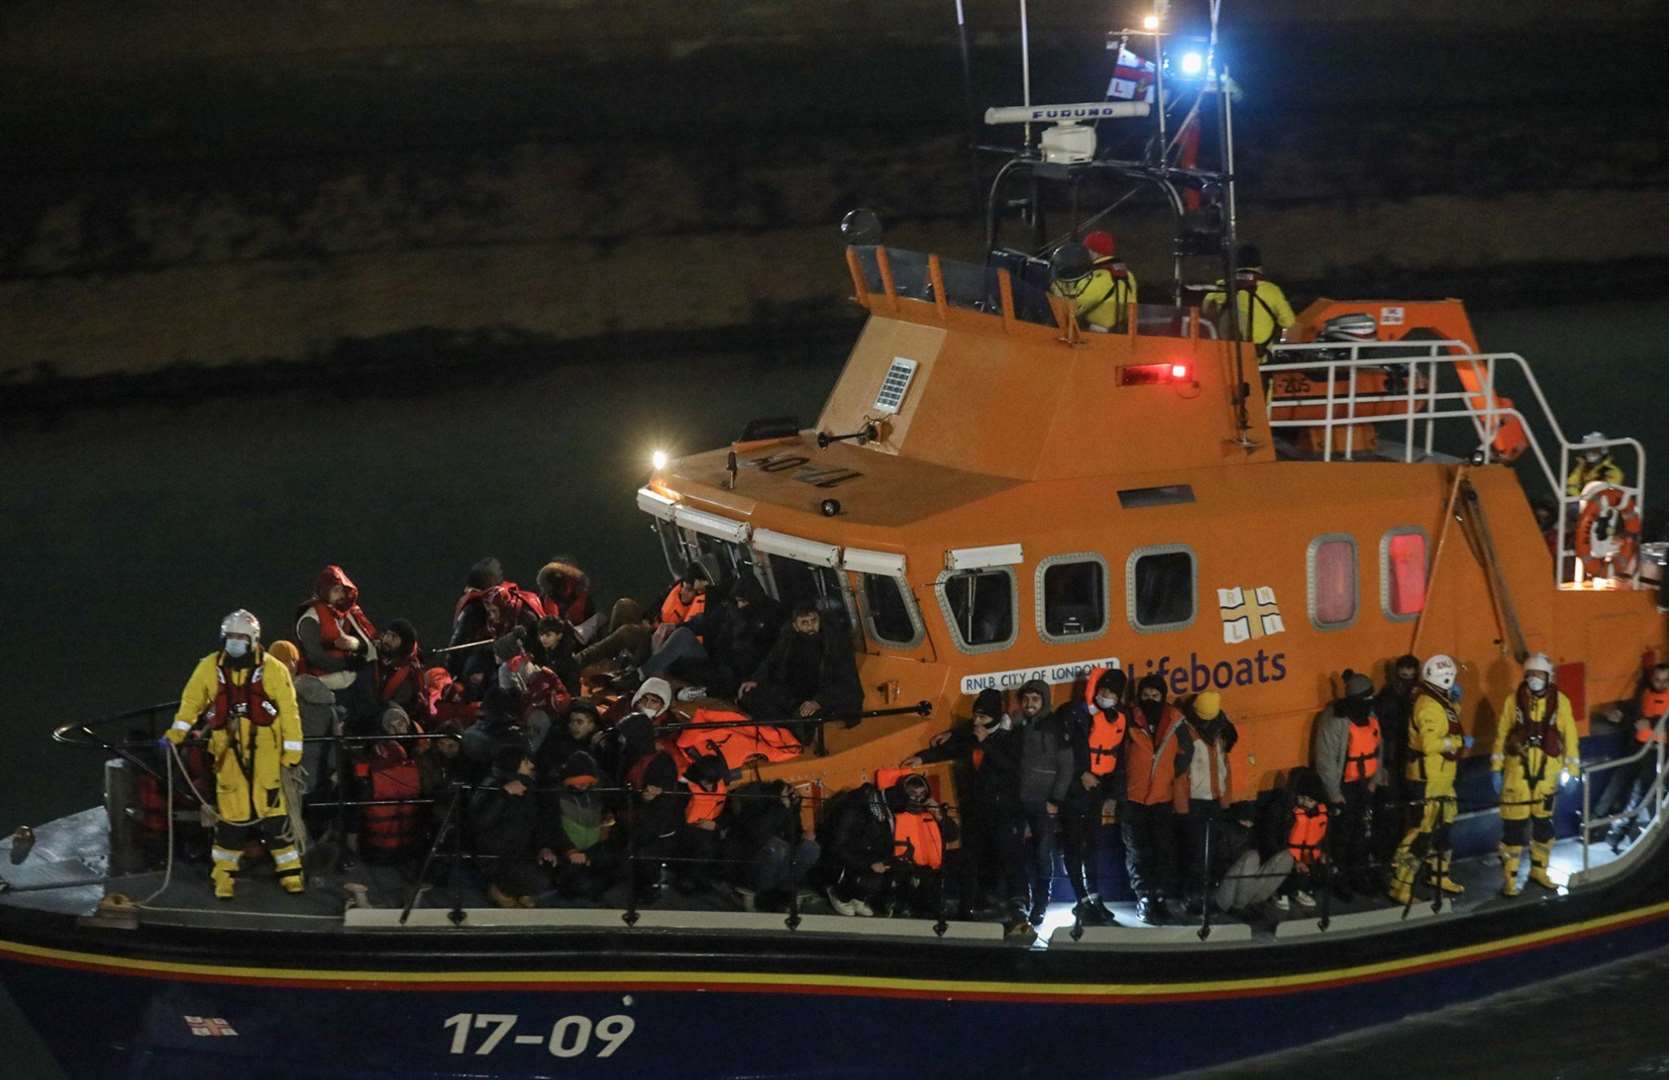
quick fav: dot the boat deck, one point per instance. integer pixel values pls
(371, 896)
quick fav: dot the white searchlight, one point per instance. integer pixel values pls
(1068, 140)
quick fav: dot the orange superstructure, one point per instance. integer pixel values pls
(1035, 501)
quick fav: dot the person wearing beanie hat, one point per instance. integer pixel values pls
(1157, 761)
(504, 818)
(1209, 780)
(1394, 706)
(657, 819)
(395, 677)
(576, 843)
(993, 822)
(1348, 754)
(1095, 727)
(1046, 774)
(1301, 827)
(286, 653)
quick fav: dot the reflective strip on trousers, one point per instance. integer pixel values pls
(226, 856)
(286, 858)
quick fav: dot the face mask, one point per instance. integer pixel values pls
(236, 647)
(1536, 683)
(1454, 693)
(1105, 701)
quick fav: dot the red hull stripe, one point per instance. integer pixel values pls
(822, 985)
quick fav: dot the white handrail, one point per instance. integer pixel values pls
(1486, 420)
(1655, 794)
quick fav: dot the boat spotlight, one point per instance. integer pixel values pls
(1150, 22)
(658, 459)
(1191, 64)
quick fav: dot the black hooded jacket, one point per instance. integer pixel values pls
(739, 638)
(860, 831)
(506, 826)
(833, 684)
(991, 768)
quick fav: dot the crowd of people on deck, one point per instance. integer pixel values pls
(545, 736)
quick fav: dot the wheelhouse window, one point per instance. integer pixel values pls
(1071, 597)
(725, 561)
(1333, 581)
(1160, 586)
(798, 583)
(979, 605)
(889, 613)
(672, 547)
(1402, 572)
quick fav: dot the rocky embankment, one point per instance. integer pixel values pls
(188, 210)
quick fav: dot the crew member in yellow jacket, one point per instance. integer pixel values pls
(1435, 741)
(1536, 747)
(245, 700)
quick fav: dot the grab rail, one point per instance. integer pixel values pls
(1654, 793)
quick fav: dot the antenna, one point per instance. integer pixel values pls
(1067, 141)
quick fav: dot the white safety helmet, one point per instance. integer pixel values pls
(243, 622)
(1594, 453)
(1539, 662)
(1439, 671)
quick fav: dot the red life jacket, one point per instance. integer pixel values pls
(151, 795)
(392, 831)
(1361, 756)
(916, 839)
(250, 699)
(333, 626)
(1309, 829)
(705, 805)
(1542, 735)
(1653, 704)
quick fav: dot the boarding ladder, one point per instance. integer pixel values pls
(1440, 380)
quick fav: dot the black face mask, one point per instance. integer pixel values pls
(1152, 710)
(1355, 709)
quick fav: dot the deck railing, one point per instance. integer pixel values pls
(1290, 375)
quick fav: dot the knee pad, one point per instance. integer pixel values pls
(1440, 837)
(1541, 830)
(1515, 833)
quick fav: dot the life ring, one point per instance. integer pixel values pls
(1608, 531)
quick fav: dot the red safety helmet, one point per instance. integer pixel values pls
(1101, 244)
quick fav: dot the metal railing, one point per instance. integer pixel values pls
(1421, 401)
(1653, 795)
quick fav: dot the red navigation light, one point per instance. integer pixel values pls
(1179, 372)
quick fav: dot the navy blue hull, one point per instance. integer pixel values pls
(707, 1021)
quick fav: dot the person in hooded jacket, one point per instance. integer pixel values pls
(481, 619)
(631, 741)
(578, 824)
(656, 810)
(1046, 772)
(1394, 704)
(552, 646)
(1257, 860)
(581, 729)
(469, 622)
(395, 677)
(993, 823)
(1298, 821)
(809, 672)
(505, 823)
(336, 637)
(1095, 728)
(701, 839)
(565, 591)
(1214, 736)
(1349, 758)
(921, 830)
(859, 851)
(766, 839)
(1158, 756)
(500, 722)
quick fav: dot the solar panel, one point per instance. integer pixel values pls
(894, 386)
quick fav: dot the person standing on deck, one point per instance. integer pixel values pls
(1157, 759)
(1594, 463)
(1394, 705)
(1264, 310)
(1535, 749)
(1435, 741)
(245, 698)
(1045, 771)
(1095, 726)
(1214, 736)
(1349, 756)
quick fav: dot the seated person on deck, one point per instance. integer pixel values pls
(809, 671)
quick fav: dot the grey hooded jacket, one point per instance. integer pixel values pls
(1329, 745)
(1046, 762)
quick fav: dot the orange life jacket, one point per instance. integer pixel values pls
(1361, 757)
(1106, 732)
(1309, 828)
(705, 805)
(249, 700)
(737, 745)
(676, 612)
(1653, 704)
(916, 839)
(1151, 775)
(391, 831)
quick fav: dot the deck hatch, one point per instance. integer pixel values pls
(895, 385)
(1163, 495)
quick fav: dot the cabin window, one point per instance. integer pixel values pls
(980, 607)
(889, 613)
(823, 587)
(724, 560)
(1159, 587)
(1071, 593)
(672, 546)
(1333, 581)
(1402, 572)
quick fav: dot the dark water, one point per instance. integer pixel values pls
(128, 532)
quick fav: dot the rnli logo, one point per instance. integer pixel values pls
(213, 1026)
(1249, 614)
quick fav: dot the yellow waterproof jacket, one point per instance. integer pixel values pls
(247, 755)
(1429, 738)
(1585, 474)
(1521, 751)
(1264, 312)
(1104, 301)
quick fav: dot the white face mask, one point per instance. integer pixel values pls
(1105, 701)
(1536, 683)
(236, 647)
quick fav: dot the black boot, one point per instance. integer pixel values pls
(1150, 911)
(1089, 913)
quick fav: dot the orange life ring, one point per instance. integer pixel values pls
(1608, 532)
